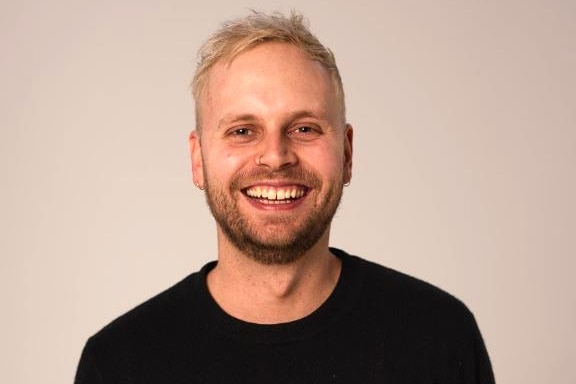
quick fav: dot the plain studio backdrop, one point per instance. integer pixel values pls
(464, 164)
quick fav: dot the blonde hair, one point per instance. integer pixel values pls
(239, 35)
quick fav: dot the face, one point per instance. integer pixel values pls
(273, 152)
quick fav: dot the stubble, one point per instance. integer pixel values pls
(261, 243)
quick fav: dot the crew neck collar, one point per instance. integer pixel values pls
(338, 303)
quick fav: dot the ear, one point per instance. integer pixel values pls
(196, 158)
(348, 136)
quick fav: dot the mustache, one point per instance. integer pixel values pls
(297, 175)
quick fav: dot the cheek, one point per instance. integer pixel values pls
(326, 161)
(224, 162)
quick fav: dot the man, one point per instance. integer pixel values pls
(272, 151)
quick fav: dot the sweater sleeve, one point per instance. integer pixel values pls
(87, 372)
(475, 366)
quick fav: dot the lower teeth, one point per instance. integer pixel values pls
(285, 201)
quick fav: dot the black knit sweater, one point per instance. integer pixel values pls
(378, 326)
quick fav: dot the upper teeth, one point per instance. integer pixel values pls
(273, 193)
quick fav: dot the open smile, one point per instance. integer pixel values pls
(266, 194)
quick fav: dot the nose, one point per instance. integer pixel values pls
(276, 152)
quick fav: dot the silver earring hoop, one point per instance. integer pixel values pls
(198, 186)
(346, 184)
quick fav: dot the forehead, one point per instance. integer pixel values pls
(269, 78)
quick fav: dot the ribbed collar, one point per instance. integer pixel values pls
(346, 292)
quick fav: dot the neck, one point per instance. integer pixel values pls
(269, 294)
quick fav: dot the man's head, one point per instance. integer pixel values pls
(274, 150)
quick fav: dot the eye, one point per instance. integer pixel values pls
(304, 129)
(241, 134)
(242, 131)
(305, 132)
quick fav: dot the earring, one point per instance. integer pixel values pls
(198, 186)
(346, 184)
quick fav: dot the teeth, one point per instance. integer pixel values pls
(276, 194)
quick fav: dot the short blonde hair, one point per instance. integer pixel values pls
(239, 35)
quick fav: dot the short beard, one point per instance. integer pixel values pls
(273, 250)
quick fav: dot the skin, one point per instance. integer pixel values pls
(271, 120)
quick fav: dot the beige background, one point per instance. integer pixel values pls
(464, 165)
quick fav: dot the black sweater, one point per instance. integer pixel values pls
(378, 326)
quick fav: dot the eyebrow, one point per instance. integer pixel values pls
(231, 118)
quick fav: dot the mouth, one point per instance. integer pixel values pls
(273, 195)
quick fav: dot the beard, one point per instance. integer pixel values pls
(265, 243)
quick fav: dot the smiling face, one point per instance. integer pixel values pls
(273, 152)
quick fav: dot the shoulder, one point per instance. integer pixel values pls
(151, 322)
(411, 301)
(418, 321)
(143, 336)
